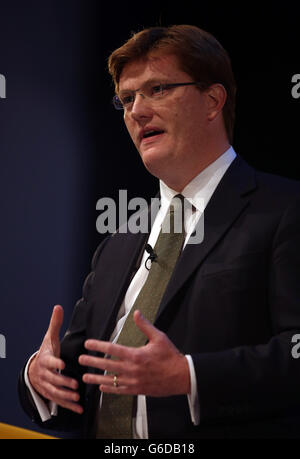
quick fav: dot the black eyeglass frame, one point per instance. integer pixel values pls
(119, 106)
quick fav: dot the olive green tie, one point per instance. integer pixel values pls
(116, 413)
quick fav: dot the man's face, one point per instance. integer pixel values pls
(179, 118)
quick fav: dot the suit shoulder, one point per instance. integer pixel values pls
(278, 186)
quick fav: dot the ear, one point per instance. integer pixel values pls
(216, 98)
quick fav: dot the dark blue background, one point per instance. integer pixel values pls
(62, 146)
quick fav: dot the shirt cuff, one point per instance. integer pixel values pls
(45, 410)
(193, 398)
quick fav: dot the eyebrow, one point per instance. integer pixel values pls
(148, 82)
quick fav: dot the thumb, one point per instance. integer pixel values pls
(145, 326)
(56, 322)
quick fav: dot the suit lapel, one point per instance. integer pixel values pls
(226, 204)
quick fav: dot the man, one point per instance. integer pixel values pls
(216, 361)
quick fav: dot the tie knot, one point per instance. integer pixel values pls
(177, 204)
(174, 220)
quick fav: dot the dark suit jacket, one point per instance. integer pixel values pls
(233, 303)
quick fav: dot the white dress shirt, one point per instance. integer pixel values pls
(198, 192)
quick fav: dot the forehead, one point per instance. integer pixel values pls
(152, 67)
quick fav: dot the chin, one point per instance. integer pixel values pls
(155, 162)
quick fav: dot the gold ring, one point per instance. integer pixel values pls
(115, 381)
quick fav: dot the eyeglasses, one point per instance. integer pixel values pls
(125, 99)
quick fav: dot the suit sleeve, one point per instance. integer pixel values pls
(71, 347)
(250, 382)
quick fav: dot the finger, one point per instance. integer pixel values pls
(53, 394)
(71, 406)
(75, 407)
(120, 390)
(116, 350)
(56, 322)
(90, 378)
(108, 380)
(57, 393)
(61, 380)
(145, 326)
(52, 363)
(114, 366)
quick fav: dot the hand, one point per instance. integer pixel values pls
(42, 371)
(157, 369)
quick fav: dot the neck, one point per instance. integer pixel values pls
(179, 178)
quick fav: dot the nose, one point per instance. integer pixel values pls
(141, 107)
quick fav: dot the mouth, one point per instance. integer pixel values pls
(150, 134)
